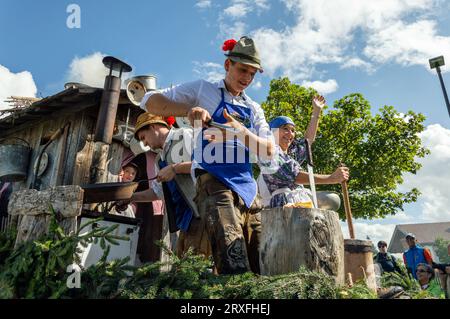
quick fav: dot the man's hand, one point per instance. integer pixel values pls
(318, 102)
(219, 135)
(198, 114)
(166, 174)
(339, 175)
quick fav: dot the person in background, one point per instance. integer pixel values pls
(128, 173)
(444, 274)
(284, 187)
(426, 277)
(386, 260)
(415, 255)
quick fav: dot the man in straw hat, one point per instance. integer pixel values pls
(177, 187)
(226, 193)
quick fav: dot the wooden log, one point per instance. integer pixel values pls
(359, 261)
(292, 237)
(34, 209)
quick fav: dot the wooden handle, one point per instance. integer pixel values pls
(348, 211)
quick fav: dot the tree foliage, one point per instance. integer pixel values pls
(378, 148)
(440, 245)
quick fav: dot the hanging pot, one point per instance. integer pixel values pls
(14, 159)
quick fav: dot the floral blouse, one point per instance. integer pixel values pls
(287, 169)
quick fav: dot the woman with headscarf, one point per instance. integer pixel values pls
(284, 186)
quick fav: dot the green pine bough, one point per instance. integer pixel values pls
(38, 269)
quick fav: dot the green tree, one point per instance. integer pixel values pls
(378, 148)
(440, 245)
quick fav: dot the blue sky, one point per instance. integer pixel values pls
(378, 48)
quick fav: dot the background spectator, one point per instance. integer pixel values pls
(387, 262)
(415, 255)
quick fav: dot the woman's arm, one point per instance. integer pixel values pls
(318, 103)
(339, 175)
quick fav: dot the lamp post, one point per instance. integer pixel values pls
(436, 63)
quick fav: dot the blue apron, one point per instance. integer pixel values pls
(233, 167)
(183, 213)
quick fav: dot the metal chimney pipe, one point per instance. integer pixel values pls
(108, 110)
(110, 100)
(106, 119)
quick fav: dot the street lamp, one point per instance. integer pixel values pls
(436, 63)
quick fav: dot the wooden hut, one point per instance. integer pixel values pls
(60, 131)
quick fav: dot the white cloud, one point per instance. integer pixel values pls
(397, 31)
(232, 31)
(407, 44)
(17, 84)
(237, 10)
(88, 70)
(357, 63)
(209, 71)
(232, 20)
(326, 87)
(433, 179)
(203, 4)
(256, 85)
(262, 4)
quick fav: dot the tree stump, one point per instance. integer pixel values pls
(34, 210)
(292, 237)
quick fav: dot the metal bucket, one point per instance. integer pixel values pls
(14, 161)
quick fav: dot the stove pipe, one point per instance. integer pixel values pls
(110, 100)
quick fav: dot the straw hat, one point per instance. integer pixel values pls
(146, 119)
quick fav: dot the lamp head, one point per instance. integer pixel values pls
(436, 62)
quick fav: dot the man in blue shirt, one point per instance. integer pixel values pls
(415, 255)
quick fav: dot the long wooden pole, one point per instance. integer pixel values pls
(348, 211)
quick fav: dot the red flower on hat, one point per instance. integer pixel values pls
(170, 120)
(228, 45)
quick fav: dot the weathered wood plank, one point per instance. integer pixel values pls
(67, 200)
(34, 209)
(66, 175)
(115, 155)
(83, 152)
